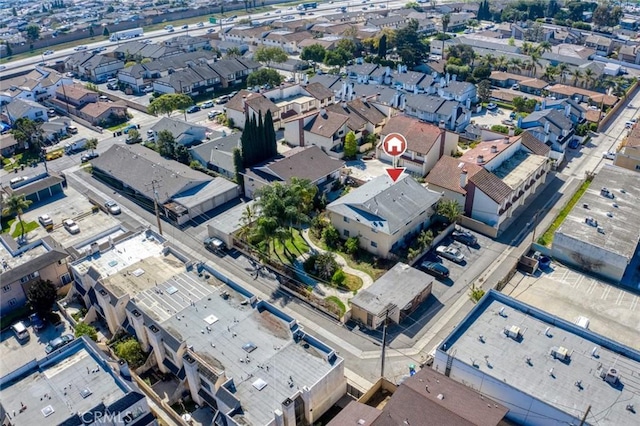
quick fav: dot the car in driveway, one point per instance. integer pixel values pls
(491, 106)
(36, 322)
(112, 207)
(88, 157)
(45, 220)
(58, 343)
(436, 269)
(192, 109)
(465, 237)
(71, 226)
(450, 252)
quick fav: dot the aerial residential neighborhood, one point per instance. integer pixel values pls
(320, 213)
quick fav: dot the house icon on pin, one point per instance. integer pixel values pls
(394, 145)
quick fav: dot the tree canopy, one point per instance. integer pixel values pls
(409, 45)
(350, 146)
(41, 296)
(315, 52)
(84, 329)
(16, 204)
(269, 55)
(258, 140)
(32, 32)
(449, 209)
(166, 104)
(264, 76)
(130, 351)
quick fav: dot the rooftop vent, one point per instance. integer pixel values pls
(249, 347)
(609, 214)
(47, 411)
(259, 384)
(560, 353)
(480, 159)
(601, 230)
(85, 393)
(586, 206)
(615, 206)
(513, 332)
(494, 149)
(610, 376)
(606, 193)
(591, 221)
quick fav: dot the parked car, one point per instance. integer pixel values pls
(72, 129)
(222, 100)
(491, 106)
(89, 156)
(113, 207)
(192, 109)
(465, 237)
(45, 220)
(58, 342)
(436, 269)
(51, 113)
(609, 155)
(36, 322)
(71, 226)
(148, 89)
(213, 114)
(207, 104)
(20, 331)
(450, 252)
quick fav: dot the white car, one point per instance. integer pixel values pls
(609, 155)
(71, 226)
(48, 52)
(79, 48)
(491, 106)
(45, 220)
(452, 253)
(112, 207)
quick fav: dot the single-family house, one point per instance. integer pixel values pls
(247, 104)
(76, 95)
(188, 43)
(551, 126)
(460, 91)
(183, 132)
(103, 113)
(99, 68)
(569, 107)
(436, 110)
(217, 154)
(24, 108)
(364, 117)
(309, 163)
(325, 129)
(629, 53)
(383, 214)
(602, 45)
(426, 143)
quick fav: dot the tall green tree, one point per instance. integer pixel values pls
(41, 296)
(382, 47)
(269, 55)
(271, 144)
(449, 209)
(446, 19)
(265, 76)
(350, 146)
(233, 52)
(92, 144)
(484, 91)
(239, 168)
(105, 32)
(16, 204)
(130, 351)
(32, 32)
(166, 144)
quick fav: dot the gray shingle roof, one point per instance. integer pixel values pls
(19, 108)
(178, 128)
(306, 163)
(138, 166)
(385, 205)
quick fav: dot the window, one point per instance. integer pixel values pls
(13, 301)
(345, 219)
(38, 113)
(205, 385)
(6, 288)
(66, 279)
(637, 166)
(345, 233)
(374, 244)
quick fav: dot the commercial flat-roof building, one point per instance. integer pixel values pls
(74, 385)
(545, 370)
(601, 233)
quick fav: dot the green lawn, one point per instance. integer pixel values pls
(364, 261)
(547, 237)
(352, 282)
(28, 227)
(292, 248)
(21, 159)
(118, 126)
(338, 303)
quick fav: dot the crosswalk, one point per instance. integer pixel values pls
(589, 286)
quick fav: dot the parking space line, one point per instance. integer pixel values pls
(579, 282)
(634, 303)
(564, 275)
(605, 292)
(620, 298)
(592, 286)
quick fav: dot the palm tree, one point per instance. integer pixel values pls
(16, 205)
(515, 64)
(501, 63)
(550, 73)
(446, 18)
(576, 74)
(589, 77)
(92, 144)
(534, 62)
(488, 59)
(527, 48)
(562, 69)
(543, 47)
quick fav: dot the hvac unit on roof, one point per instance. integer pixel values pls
(610, 376)
(513, 332)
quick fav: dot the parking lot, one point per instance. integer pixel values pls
(612, 311)
(456, 270)
(15, 354)
(71, 205)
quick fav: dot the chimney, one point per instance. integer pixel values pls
(512, 131)
(403, 103)
(544, 103)
(494, 149)
(378, 96)
(506, 140)
(463, 178)
(448, 78)
(567, 110)
(323, 113)
(244, 103)
(546, 127)
(343, 94)
(480, 159)
(344, 104)
(442, 125)
(363, 99)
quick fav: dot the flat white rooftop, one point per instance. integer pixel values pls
(520, 168)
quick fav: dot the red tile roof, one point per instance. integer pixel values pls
(446, 173)
(491, 185)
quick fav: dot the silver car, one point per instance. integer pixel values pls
(450, 252)
(112, 207)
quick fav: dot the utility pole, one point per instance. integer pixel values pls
(584, 418)
(155, 185)
(384, 339)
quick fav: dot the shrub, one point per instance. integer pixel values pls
(318, 226)
(331, 236)
(130, 351)
(338, 277)
(593, 127)
(309, 265)
(84, 329)
(500, 128)
(352, 245)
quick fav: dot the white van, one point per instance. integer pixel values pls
(20, 330)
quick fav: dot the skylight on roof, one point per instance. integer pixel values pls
(211, 319)
(259, 384)
(85, 393)
(48, 410)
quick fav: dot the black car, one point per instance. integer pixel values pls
(192, 109)
(465, 237)
(436, 269)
